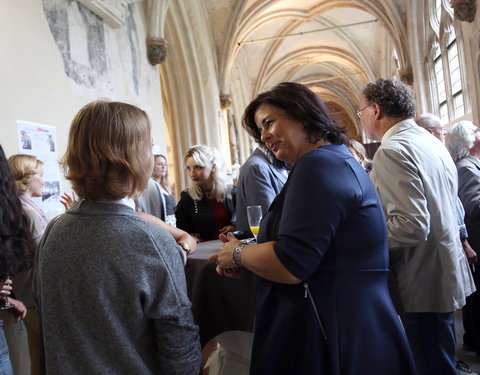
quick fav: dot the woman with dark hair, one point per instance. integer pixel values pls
(16, 249)
(323, 305)
(135, 316)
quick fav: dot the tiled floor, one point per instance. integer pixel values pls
(469, 357)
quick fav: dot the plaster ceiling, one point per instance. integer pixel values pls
(336, 48)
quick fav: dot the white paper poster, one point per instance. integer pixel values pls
(40, 141)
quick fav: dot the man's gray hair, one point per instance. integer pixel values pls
(428, 121)
(460, 138)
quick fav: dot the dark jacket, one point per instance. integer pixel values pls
(197, 217)
(469, 192)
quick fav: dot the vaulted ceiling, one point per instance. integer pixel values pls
(334, 46)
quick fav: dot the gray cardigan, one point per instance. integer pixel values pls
(111, 296)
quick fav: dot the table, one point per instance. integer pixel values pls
(219, 303)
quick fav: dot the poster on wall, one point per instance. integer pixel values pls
(40, 141)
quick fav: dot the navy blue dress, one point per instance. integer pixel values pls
(331, 234)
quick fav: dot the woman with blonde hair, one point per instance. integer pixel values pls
(206, 209)
(28, 173)
(160, 175)
(110, 287)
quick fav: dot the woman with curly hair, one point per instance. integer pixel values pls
(16, 249)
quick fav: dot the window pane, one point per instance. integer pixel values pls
(437, 52)
(454, 67)
(438, 9)
(440, 80)
(444, 112)
(451, 36)
(458, 104)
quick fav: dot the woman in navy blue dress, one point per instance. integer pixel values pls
(323, 305)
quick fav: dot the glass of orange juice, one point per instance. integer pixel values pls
(254, 214)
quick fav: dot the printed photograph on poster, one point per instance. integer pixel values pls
(39, 140)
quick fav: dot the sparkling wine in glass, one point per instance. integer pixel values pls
(254, 214)
(4, 304)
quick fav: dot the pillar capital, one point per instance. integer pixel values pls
(225, 101)
(156, 50)
(464, 10)
(406, 76)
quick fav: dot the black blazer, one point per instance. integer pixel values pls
(197, 217)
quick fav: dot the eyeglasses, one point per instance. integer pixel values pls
(359, 112)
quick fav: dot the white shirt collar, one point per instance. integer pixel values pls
(127, 201)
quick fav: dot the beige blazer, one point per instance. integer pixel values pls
(416, 180)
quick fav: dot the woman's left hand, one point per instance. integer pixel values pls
(228, 269)
(226, 229)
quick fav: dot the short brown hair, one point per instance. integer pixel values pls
(23, 168)
(109, 151)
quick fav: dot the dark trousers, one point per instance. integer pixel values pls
(471, 316)
(432, 340)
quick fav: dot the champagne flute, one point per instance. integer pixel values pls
(4, 304)
(254, 214)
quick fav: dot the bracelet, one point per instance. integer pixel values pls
(185, 247)
(237, 254)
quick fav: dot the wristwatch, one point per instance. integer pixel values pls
(185, 247)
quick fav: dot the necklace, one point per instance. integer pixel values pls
(206, 191)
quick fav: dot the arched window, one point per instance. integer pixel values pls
(445, 63)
